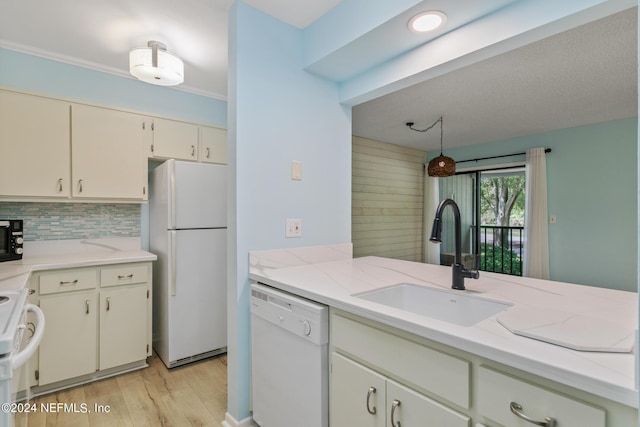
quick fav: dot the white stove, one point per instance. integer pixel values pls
(11, 312)
(14, 350)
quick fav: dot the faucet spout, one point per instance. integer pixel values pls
(459, 273)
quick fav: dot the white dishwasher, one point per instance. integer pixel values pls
(289, 359)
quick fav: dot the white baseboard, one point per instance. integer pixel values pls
(229, 421)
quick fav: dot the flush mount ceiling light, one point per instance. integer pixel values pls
(442, 165)
(153, 64)
(427, 21)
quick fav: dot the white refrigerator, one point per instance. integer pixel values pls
(188, 233)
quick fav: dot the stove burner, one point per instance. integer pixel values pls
(3, 299)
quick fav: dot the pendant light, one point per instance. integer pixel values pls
(442, 165)
(153, 64)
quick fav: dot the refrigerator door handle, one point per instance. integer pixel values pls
(172, 256)
(172, 194)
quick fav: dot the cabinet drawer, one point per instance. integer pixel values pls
(123, 275)
(413, 363)
(496, 391)
(67, 281)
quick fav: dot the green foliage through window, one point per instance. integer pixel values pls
(500, 260)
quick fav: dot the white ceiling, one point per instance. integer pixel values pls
(586, 75)
(100, 33)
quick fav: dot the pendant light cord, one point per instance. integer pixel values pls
(410, 125)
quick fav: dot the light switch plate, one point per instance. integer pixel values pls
(296, 170)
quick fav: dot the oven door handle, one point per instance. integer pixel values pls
(23, 355)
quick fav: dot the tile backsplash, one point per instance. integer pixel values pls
(63, 221)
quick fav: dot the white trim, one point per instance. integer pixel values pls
(70, 60)
(229, 421)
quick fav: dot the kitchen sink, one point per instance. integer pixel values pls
(457, 307)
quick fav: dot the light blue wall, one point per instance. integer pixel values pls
(592, 189)
(278, 113)
(31, 73)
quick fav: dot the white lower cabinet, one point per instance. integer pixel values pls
(68, 347)
(123, 326)
(383, 376)
(358, 394)
(98, 320)
(363, 397)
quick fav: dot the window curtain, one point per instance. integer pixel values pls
(431, 253)
(536, 237)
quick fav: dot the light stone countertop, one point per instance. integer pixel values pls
(58, 254)
(336, 277)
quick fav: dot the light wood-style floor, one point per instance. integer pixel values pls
(191, 395)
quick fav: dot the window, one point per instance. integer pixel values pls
(492, 207)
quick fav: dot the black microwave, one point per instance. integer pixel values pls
(11, 239)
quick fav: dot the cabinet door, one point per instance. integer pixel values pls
(34, 142)
(357, 395)
(68, 347)
(108, 154)
(213, 145)
(123, 326)
(175, 140)
(409, 408)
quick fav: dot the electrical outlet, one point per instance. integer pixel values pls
(293, 228)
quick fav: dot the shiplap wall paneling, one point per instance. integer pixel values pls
(387, 200)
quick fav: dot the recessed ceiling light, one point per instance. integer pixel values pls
(427, 21)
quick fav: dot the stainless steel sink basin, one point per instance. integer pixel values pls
(457, 307)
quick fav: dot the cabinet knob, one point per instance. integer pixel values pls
(516, 408)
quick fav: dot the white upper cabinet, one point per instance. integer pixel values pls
(213, 145)
(58, 150)
(108, 153)
(187, 141)
(174, 140)
(34, 142)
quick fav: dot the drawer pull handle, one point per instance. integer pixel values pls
(108, 303)
(371, 410)
(208, 152)
(193, 150)
(87, 306)
(69, 283)
(517, 410)
(394, 406)
(129, 276)
(60, 185)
